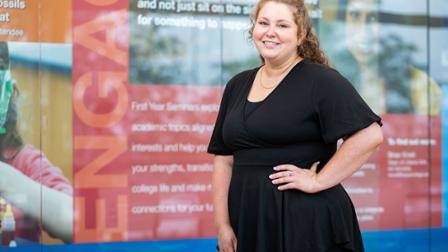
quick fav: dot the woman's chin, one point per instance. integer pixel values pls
(269, 56)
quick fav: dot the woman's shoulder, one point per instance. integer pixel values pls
(326, 80)
(320, 70)
(242, 76)
(26, 153)
(323, 74)
(239, 80)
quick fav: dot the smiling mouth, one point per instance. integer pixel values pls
(270, 44)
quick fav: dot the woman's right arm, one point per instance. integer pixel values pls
(52, 208)
(222, 173)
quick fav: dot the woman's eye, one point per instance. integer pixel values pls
(262, 23)
(283, 26)
(355, 14)
(372, 18)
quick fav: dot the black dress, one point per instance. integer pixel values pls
(298, 123)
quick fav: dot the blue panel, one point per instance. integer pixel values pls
(444, 155)
(414, 240)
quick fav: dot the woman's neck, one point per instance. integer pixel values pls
(277, 69)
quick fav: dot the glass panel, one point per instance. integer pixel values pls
(438, 69)
(21, 176)
(381, 47)
(56, 138)
(30, 182)
(55, 35)
(19, 183)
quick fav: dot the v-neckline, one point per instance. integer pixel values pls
(251, 83)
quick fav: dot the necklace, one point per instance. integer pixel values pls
(273, 86)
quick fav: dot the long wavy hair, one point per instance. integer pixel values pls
(11, 142)
(309, 47)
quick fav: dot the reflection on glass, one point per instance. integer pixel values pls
(167, 47)
(380, 64)
(201, 47)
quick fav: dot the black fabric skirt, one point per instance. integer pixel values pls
(265, 219)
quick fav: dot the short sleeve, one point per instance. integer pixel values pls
(216, 145)
(340, 109)
(34, 164)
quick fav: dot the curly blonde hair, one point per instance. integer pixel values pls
(309, 47)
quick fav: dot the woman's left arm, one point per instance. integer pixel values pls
(352, 154)
(354, 151)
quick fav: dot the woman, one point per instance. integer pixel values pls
(37, 190)
(380, 65)
(276, 179)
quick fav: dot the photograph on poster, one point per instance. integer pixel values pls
(382, 61)
(35, 162)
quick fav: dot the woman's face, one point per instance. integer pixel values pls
(4, 57)
(362, 29)
(4, 62)
(275, 32)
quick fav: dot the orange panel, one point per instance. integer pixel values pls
(36, 21)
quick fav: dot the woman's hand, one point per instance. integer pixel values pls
(293, 177)
(226, 239)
